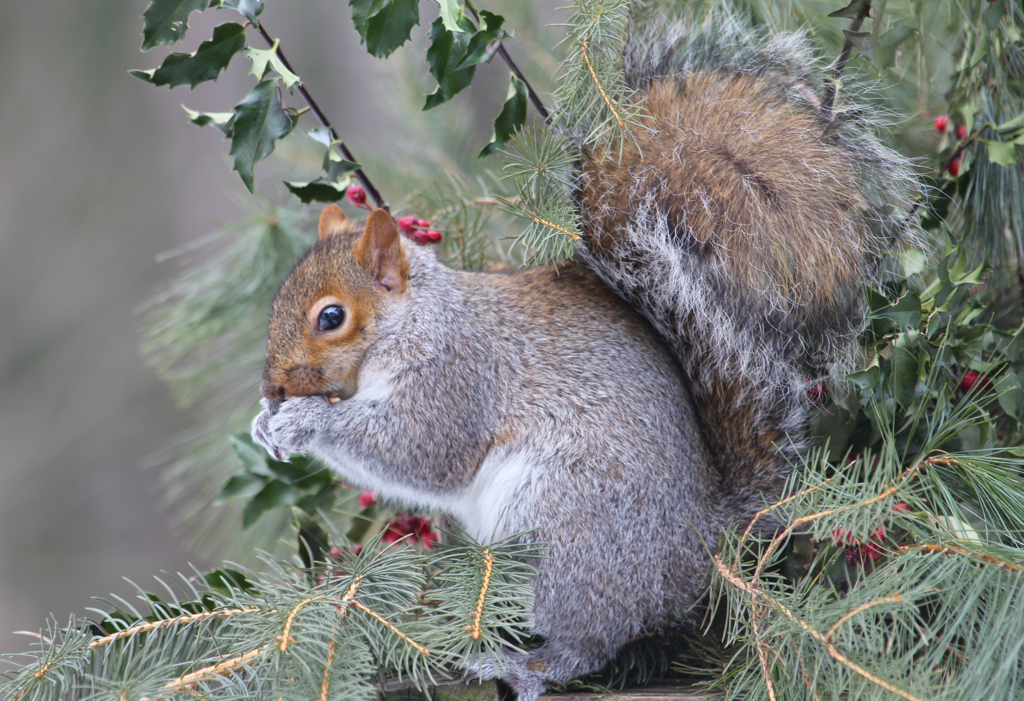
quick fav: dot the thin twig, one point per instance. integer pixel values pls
(844, 56)
(556, 227)
(894, 599)
(478, 614)
(325, 685)
(285, 636)
(370, 612)
(503, 52)
(215, 670)
(947, 548)
(612, 104)
(322, 118)
(154, 625)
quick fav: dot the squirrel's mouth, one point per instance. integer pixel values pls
(333, 396)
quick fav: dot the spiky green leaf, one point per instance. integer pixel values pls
(446, 52)
(220, 120)
(205, 64)
(260, 120)
(166, 21)
(266, 59)
(317, 191)
(384, 25)
(250, 9)
(511, 118)
(451, 13)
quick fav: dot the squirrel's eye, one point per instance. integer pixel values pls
(330, 318)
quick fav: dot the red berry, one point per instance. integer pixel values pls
(423, 223)
(367, 499)
(879, 534)
(407, 224)
(817, 394)
(968, 380)
(954, 167)
(941, 122)
(900, 507)
(356, 549)
(357, 196)
(843, 536)
(433, 236)
(961, 132)
(872, 550)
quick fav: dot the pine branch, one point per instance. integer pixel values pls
(322, 118)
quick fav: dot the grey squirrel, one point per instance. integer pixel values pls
(628, 407)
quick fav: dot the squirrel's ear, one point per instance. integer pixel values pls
(332, 221)
(380, 251)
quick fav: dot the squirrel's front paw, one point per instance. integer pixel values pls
(289, 426)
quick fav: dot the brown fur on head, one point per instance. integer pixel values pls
(354, 268)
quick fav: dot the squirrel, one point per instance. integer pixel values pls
(628, 407)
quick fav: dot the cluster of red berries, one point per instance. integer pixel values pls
(941, 125)
(417, 229)
(412, 528)
(367, 499)
(856, 552)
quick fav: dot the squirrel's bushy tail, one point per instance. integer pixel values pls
(742, 220)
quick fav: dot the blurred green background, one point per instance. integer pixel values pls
(98, 174)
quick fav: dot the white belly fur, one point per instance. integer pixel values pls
(482, 508)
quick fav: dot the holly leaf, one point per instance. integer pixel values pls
(1011, 398)
(904, 376)
(321, 135)
(274, 495)
(484, 42)
(241, 485)
(249, 9)
(1002, 153)
(1011, 124)
(451, 13)
(336, 167)
(864, 41)
(166, 21)
(384, 25)
(220, 120)
(511, 118)
(318, 190)
(857, 8)
(205, 64)
(226, 579)
(262, 59)
(889, 43)
(260, 120)
(444, 55)
(253, 457)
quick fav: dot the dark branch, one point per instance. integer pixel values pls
(844, 57)
(503, 52)
(322, 118)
